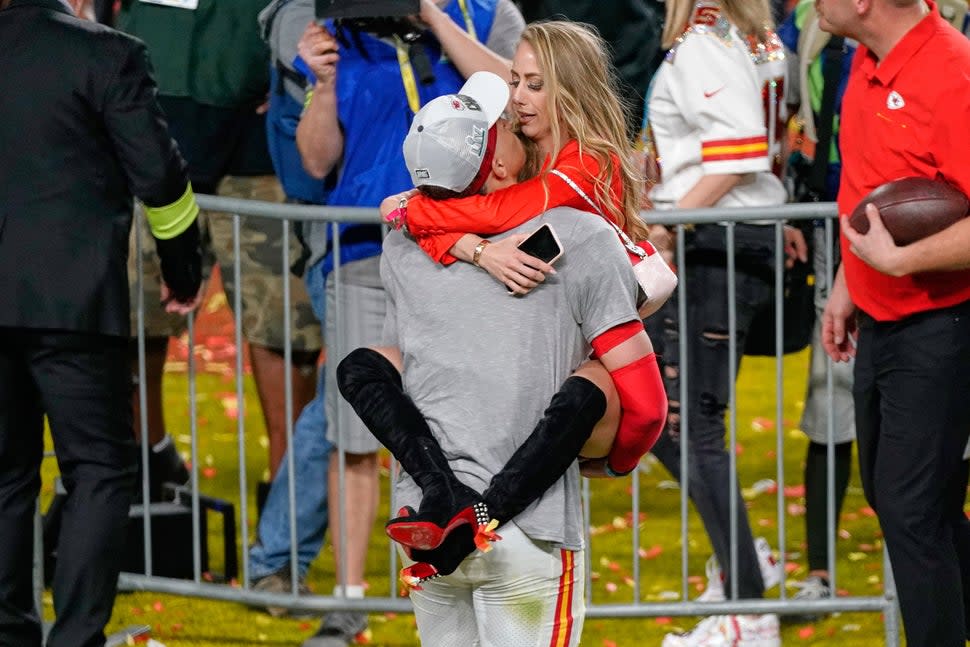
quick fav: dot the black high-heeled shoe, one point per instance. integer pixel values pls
(412, 530)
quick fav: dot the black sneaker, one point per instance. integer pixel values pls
(165, 466)
(338, 629)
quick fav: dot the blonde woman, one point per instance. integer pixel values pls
(565, 100)
(713, 109)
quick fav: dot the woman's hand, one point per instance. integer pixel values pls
(513, 268)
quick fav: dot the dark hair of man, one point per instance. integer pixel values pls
(439, 192)
(532, 164)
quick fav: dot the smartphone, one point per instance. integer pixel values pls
(543, 244)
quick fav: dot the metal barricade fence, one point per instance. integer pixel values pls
(285, 214)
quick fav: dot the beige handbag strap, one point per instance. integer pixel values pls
(629, 244)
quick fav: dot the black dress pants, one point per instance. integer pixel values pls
(82, 384)
(912, 402)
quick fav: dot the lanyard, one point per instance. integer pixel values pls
(404, 61)
(469, 25)
(407, 75)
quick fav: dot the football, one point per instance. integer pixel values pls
(912, 208)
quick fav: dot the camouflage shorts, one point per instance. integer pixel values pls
(261, 269)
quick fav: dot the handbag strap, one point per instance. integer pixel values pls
(629, 244)
(831, 72)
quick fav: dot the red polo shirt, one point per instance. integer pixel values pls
(907, 115)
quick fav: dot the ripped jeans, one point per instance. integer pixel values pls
(709, 380)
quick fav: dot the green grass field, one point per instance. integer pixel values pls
(183, 622)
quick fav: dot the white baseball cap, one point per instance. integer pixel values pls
(451, 141)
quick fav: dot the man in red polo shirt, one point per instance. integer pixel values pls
(907, 309)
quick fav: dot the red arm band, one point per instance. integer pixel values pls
(643, 401)
(615, 336)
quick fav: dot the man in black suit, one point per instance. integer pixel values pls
(81, 132)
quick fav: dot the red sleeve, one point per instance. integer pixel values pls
(431, 220)
(643, 403)
(437, 246)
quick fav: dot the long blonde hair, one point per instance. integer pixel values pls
(582, 88)
(751, 17)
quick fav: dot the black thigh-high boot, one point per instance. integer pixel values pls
(373, 387)
(549, 450)
(535, 466)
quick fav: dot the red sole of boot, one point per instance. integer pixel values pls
(424, 535)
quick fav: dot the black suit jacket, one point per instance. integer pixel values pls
(80, 132)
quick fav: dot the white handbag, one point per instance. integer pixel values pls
(652, 272)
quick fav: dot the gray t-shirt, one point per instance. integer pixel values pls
(482, 365)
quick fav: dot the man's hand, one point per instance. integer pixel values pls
(839, 322)
(517, 271)
(174, 306)
(876, 247)
(429, 12)
(392, 202)
(319, 50)
(795, 246)
(594, 468)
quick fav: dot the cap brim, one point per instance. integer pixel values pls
(491, 93)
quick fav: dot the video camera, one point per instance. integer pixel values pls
(366, 8)
(384, 19)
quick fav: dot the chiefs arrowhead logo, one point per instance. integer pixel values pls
(895, 101)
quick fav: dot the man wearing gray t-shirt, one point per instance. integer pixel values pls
(481, 366)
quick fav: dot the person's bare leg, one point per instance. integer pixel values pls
(361, 492)
(601, 440)
(269, 374)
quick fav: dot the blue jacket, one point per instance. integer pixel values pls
(281, 121)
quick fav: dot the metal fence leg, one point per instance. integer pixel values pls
(39, 568)
(891, 614)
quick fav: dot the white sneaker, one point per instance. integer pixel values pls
(729, 631)
(771, 573)
(715, 582)
(812, 587)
